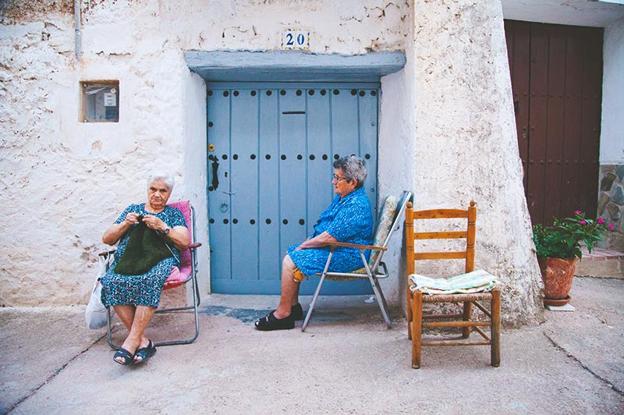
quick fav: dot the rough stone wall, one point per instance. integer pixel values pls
(465, 140)
(63, 181)
(611, 204)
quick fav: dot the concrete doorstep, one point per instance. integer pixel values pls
(345, 362)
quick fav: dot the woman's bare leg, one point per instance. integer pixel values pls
(136, 338)
(290, 289)
(125, 314)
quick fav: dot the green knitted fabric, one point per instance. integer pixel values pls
(145, 249)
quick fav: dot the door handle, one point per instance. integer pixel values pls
(215, 173)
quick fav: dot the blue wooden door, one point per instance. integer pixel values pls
(270, 153)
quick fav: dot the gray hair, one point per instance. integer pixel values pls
(353, 167)
(161, 177)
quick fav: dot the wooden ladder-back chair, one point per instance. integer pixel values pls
(416, 298)
(374, 268)
(186, 272)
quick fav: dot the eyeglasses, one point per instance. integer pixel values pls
(338, 178)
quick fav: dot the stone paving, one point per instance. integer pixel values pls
(346, 362)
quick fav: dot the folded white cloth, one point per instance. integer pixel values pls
(471, 282)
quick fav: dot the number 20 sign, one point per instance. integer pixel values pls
(295, 39)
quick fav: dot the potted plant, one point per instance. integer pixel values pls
(558, 246)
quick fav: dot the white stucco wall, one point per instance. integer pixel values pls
(65, 181)
(465, 140)
(446, 125)
(612, 131)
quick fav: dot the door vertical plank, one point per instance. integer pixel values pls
(367, 107)
(292, 173)
(219, 198)
(268, 198)
(538, 120)
(554, 122)
(244, 136)
(319, 156)
(592, 102)
(345, 138)
(574, 114)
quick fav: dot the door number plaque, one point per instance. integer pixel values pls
(295, 39)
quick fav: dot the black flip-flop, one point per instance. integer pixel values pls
(144, 353)
(270, 322)
(128, 358)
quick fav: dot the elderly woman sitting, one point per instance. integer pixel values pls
(347, 219)
(132, 285)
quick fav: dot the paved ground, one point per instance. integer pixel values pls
(346, 362)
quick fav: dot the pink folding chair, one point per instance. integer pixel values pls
(179, 276)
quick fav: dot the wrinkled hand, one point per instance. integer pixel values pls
(153, 222)
(132, 218)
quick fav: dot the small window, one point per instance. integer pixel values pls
(100, 101)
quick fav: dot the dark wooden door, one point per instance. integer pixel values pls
(556, 75)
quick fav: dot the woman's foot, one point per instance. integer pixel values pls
(271, 322)
(144, 352)
(126, 351)
(123, 357)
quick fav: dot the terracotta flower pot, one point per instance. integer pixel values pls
(557, 274)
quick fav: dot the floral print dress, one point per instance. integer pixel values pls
(143, 289)
(348, 219)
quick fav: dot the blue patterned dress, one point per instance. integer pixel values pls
(143, 289)
(348, 219)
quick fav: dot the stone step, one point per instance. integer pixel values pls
(605, 263)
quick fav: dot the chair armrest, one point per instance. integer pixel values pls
(356, 246)
(106, 253)
(194, 245)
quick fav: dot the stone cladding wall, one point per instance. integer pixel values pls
(611, 203)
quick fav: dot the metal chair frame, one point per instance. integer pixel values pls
(196, 298)
(372, 272)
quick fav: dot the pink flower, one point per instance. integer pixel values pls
(578, 212)
(611, 227)
(601, 221)
(583, 222)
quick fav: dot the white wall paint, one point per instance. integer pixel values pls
(465, 141)
(447, 128)
(612, 130)
(569, 12)
(64, 181)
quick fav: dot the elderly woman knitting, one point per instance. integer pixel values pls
(150, 236)
(347, 219)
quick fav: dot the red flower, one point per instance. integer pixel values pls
(611, 227)
(578, 212)
(601, 221)
(583, 222)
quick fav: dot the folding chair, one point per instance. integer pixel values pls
(415, 298)
(375, 268)
(186, 272)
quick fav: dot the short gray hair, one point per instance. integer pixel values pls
(353, 167)
(161, 177)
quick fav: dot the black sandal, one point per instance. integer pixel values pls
(270, 322)
(144, 353)
(297, 312)
(128, 358)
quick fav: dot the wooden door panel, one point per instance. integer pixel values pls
(558, 123)
(274, 144)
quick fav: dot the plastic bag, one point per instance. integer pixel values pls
(96, 313)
